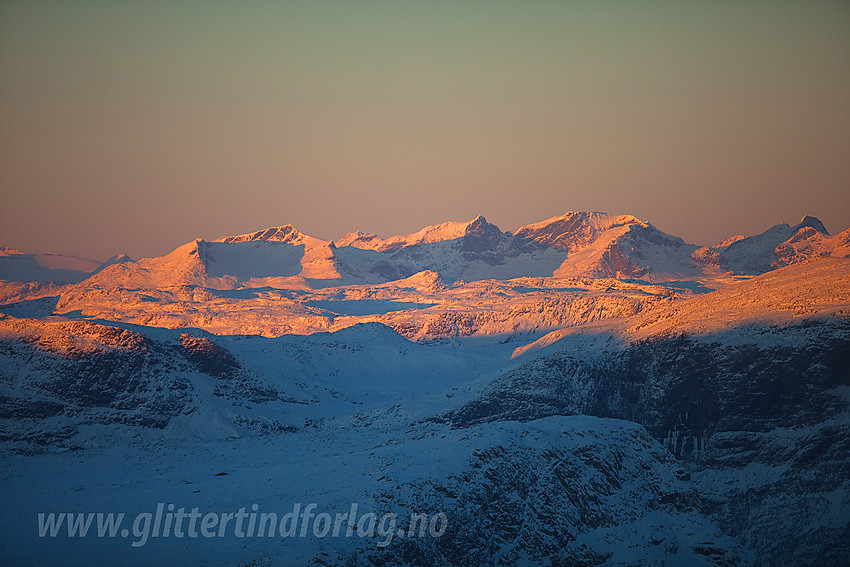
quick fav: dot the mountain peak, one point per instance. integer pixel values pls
(285, 233)
(479, 224)
(813, 222)
(357, 239)
(117, 259)
(575, 228)
(451, 230)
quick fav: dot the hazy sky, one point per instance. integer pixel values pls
(137, 126)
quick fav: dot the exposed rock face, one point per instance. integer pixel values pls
(780, 245)
(555, 492)
(723, 408)
(208, 357)
(575, 230)
(555, 419)
(725, 449)
(286, 233)
(603, 245)
(87, 374)
(59, 378)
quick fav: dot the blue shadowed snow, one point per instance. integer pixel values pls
(356, 307)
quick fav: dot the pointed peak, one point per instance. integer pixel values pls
(480, 228)
(478, 223)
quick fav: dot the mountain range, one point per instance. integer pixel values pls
(586, 391)
(575, 244)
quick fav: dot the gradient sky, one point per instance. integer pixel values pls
(137, 126)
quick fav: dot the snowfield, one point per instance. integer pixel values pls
(586, 390)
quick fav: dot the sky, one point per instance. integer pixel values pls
(133, 127)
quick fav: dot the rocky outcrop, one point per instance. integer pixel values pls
(762, 425)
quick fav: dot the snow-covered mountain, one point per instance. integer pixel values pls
(778, 246)
(603, 245)
(759, 417)
(576, 244)
(452, 279)
(536, 387)
(283, 257)
(44, 268)
(478, 227)
(595, 450)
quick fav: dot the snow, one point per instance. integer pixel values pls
(816, 289)
(55, 268)
(594, 221)
(323, 372)
(778, 246)
(430, 234)
(332, 469)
